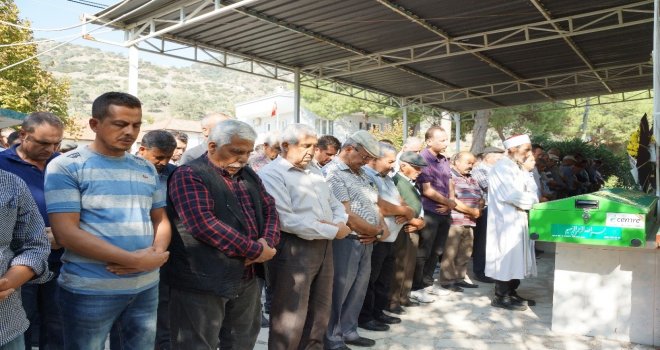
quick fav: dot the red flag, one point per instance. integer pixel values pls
(273, 112)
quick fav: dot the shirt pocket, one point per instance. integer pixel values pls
(9, 214)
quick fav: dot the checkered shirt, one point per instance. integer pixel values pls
(353, 187)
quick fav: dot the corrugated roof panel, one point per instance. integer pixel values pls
(294, 32)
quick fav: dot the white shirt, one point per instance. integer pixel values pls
(303, 199)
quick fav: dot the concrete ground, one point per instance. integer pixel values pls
(467, 321)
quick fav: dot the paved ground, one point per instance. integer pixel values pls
(467, 321)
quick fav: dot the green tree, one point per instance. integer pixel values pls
(27, 87)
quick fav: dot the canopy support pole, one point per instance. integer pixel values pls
(296, 96)
(457, 121)
(404, 110)
(656, 90)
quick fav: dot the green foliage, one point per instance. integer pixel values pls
(535, 119)
(27, 87)
(392, 132)
(611, 124)
(332, 106)
(615, 168)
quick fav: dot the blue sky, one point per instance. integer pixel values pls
(52, 14)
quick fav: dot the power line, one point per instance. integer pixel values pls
(63, 28)
(68, 41)
(89, 3)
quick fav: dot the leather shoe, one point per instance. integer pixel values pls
(361, 341)
(397, 310)
(465, 284)
(484, 279)
(343, 347)
(387, 319)
(410, 303)
(507, 303)
(521, 300)
(373, 325)
(452, 287)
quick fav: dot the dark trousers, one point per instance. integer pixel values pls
(301, 278)
(405, 254)
(431, 243)
(479, 248)
(382, 267)
(163, 317)
(43, 312)
(506, 288)
(197, 317)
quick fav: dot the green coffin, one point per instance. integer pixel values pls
(616, 217)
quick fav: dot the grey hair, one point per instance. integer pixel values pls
(222, 133)
(38, 118)
(294, 132)
(386, 148)
(272, 138)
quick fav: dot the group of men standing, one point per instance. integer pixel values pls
(345, 235)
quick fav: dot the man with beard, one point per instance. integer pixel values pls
(311, 218)
(107, 211)
(509, 252)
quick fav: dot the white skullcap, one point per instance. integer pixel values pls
(515, 141)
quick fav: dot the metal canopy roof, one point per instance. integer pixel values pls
(450, 55)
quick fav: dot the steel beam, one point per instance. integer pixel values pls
(585, 23)
(570, 43)
(442, 34)
(556, 81)
(596, 100)
(338, 44)
(187, 14)
(195, 52)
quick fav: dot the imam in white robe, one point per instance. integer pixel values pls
(509, 252)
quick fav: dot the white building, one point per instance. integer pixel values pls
(263, 115)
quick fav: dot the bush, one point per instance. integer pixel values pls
(615, 168)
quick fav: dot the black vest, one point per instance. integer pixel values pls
(195, 265)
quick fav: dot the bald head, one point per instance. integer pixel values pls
(211, 119)
(463, 162)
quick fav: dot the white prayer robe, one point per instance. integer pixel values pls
(509, 252)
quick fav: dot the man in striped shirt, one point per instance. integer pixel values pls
(105, 209)
(458, 247)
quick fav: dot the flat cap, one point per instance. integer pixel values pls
(413, 158)
(491, 149)
(367, 141)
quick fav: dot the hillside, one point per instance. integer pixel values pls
(186, 92)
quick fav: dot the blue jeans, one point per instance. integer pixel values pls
(17, 344)
(89, 319)
(43, 312)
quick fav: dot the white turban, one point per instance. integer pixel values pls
(515, 141)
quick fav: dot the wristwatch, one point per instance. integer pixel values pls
(379, 235)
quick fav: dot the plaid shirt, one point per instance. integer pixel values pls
(23, 241)
(194, 206)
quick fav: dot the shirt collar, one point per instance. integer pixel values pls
(281, 162)
(12, 154)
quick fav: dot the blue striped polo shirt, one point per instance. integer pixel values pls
(114, 196)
